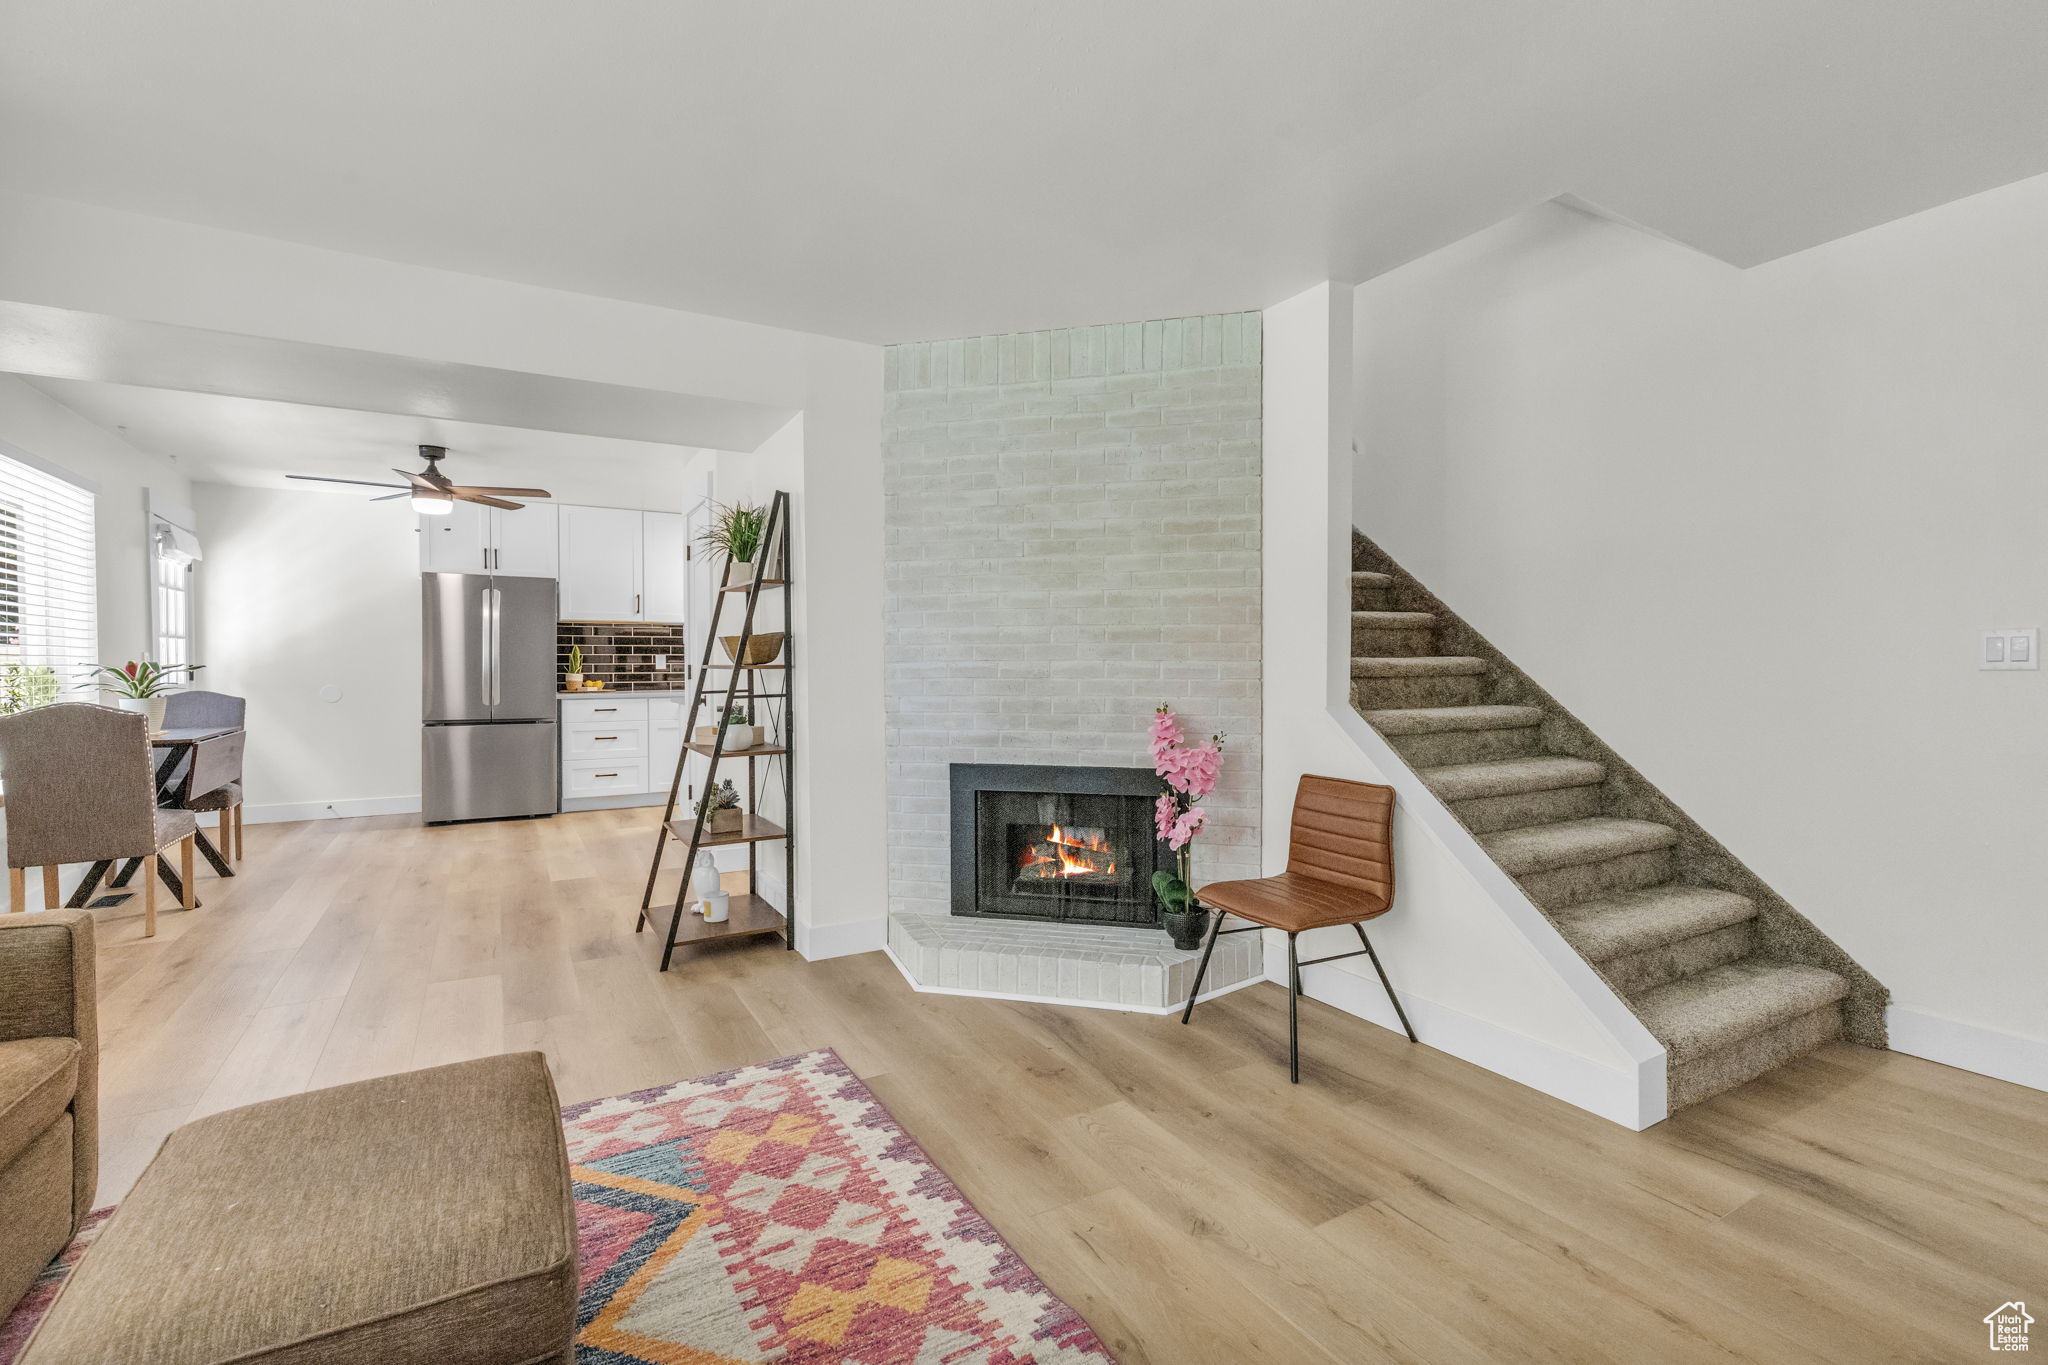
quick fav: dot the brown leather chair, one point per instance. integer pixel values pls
(1340, 870)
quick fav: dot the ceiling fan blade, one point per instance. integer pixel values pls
(419, 481)
(500, 492)
(322, 478)
(393, 497)
(466, 495)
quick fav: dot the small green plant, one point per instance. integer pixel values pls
(575, 658)
(25, 686)
(133, 679)
(725, 796)
(735, 531)
(736, 715)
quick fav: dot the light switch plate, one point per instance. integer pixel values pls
(2010, 649)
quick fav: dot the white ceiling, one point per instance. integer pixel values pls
(256, 442)
(903, 169)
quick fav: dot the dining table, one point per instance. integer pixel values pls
(188, 761)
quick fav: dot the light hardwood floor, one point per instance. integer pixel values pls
(1167, 1181)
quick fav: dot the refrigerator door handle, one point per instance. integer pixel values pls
(487, 651)
(497, 600)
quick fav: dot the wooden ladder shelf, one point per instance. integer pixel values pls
(751, 913)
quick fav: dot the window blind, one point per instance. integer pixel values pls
(49, 629)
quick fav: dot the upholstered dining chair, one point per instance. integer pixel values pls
(1340, 870)
(196, 710)
(80, 789)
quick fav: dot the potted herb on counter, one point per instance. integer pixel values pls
(572, 681)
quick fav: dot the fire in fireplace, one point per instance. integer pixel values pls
(1055, 843)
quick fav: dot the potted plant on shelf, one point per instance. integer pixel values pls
(1190, 772)
(573, 679)
(739, 732)
(735, 532)
(722, 814)
(140, 686)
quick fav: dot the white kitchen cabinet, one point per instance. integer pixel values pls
(664, 567)
(477, 539)
(600, 563)
(457, 543)
(526, 543)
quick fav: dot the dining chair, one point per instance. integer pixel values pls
(1340, 871)
(195, 710)
(80, 789)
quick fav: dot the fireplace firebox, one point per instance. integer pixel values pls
(1063, 844)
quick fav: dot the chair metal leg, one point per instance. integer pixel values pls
(1215, 928)
(1399, 1013)
(1293, 1010)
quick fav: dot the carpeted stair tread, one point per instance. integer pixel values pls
(1544, 848)
(1510, 776)
(1394, 620)
(1418, 666)
(1625, 922)
(1436, 720)
(1365, 578)
(1714, 1009)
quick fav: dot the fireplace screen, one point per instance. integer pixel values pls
(1051, 854)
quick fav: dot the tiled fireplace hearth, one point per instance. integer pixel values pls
(1052, 894)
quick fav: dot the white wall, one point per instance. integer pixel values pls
(301, 591)
(123, 475)
(1748, 525)
(1481, 973)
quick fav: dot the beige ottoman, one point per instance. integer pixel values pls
(422, 1218)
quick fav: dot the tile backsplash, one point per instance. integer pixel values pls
(622, 653)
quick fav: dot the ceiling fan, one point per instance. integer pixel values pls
(430, 490)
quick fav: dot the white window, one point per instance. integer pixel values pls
(49, 628)
(174, 552)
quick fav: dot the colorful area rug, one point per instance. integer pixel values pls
(772, 1213)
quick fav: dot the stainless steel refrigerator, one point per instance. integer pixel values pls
(488, 750)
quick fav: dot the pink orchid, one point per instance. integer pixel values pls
(1163, 814)
(1164, 736)
(1186, 827)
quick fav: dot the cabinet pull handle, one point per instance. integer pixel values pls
(594, 738)
(595, 710)
(604, 774)
(636, 604)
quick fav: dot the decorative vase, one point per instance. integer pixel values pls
(572, 682)
(1185, 927)
(150, 707)
(740, 573)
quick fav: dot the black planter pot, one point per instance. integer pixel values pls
(1185, 927)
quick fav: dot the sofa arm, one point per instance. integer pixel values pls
(48, 989)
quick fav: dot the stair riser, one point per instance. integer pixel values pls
(1485, 814)
(1388, 694)
(1397, 643)
(1465, 746)
(1372, 599)
(1564, 886)
(1659, 966)
(1710, 1074)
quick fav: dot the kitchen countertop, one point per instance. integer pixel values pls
(635, 692)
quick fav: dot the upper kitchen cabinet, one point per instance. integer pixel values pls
(477, 539)
(664, 566)
(600, 564)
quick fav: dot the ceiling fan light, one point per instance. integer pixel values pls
(426, 504)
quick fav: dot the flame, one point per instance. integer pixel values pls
(1072, 850)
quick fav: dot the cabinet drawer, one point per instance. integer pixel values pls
(599, 778)
(604, 739)
(576, 710)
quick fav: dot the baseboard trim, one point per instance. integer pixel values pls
(281, 812)
(1972, 1047)
(1633, 1099)
(818, 942)
(923, 989)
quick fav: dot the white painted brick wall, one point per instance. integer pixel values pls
(1072, 533)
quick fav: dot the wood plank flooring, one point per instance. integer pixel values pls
(1399, 1205)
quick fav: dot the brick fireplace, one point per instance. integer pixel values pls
(1072, 537)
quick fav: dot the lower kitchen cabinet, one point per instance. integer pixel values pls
(619, 749)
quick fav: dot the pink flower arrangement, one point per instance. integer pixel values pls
(1191, 772)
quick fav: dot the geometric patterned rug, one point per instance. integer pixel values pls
(774, 1213)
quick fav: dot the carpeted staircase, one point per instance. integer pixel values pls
(1730, 979)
